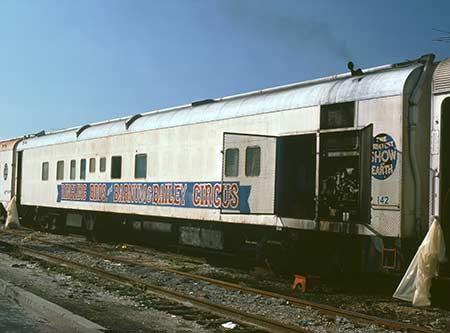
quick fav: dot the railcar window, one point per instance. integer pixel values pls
(92, 165)
(253, 161)
(73, 169)
(232, 162)
(45, 171)
(103, 164)
(116, 167)
(337, 115)
(60, 170)
(140, 166)
(83, 169)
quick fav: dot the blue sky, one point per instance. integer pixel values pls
(65, 63)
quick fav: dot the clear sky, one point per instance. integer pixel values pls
(65, 63)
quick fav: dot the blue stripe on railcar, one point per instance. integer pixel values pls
(217, 195)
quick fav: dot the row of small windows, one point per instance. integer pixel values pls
(140, 167)
(252, 162)
(252, 165)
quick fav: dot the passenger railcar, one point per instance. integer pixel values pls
(335, 169)
(8, 173)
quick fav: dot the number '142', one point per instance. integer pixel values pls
(383, 200)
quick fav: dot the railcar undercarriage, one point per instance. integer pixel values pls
(287, 250)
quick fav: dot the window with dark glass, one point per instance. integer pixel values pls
(338, 115)
(73, 169)
(253, 161)
(45, 171)
(103, 164)
(232, 162)
(60, 170)
(92, 165)
(116, 167)
(140, 166)
(83, 169)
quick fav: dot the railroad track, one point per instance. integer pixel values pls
(218, 309)
(325, 309)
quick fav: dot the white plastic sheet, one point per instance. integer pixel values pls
(12, 219)
(416, 283)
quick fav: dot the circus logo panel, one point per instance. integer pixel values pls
(384, 156)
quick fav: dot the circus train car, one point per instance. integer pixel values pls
(440, 145)
(332, 172)
(7, 173)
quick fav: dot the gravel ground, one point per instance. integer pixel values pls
(117, 308)
(277, 309)
(377, 304)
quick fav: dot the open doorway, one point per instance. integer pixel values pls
(445, 167)
(296, 176)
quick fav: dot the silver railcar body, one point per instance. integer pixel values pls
(347, 154)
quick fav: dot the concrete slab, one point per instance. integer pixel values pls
(20, 306)
(14, 318)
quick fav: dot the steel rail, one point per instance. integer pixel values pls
(234, 314)
(326, 309)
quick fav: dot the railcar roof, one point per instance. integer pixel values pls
(8, 144)
(389, 80)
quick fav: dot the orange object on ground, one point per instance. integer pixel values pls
(299, 280)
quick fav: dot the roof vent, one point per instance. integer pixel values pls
(132, 120)
(38, 134)
(202, 102)
(81, 129)
(35, 135)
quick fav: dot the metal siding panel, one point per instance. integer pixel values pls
(435, 150)
(386, 115)
(192, 153)
(7, 158)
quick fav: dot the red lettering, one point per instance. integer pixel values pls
(155, 193)
(234, 195)
(216, 195)
(196, 193)
(225, 201)
(183, 193)
(169, 193)
(116, 193)
(149, 194)
(202, 195)
(142, 192)
(92, 192)
(176, 200)
(104, 193)
(162, 194)
(124, 193)
(131, 193)
(208, 193)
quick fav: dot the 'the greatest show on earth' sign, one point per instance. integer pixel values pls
(384, 156)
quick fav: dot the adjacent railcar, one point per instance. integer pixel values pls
(332, 168)
(8, 173)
